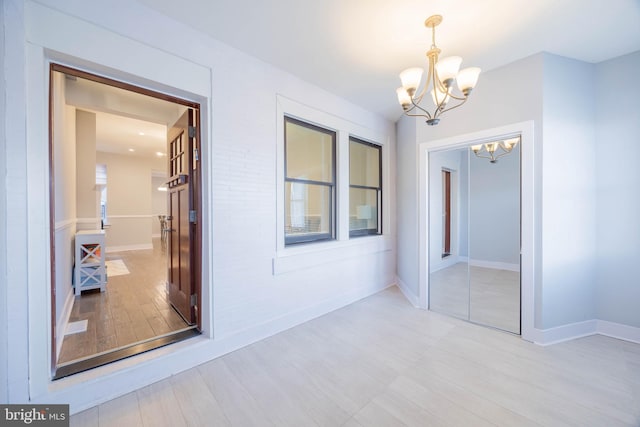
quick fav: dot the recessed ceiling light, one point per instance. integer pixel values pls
(141, 133)
(160, 154)
(131, 150)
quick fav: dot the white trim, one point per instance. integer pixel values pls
(563, 333)
(414, 300)
(584, 329)
(448, 262)
(128, 216)
(63, 320)
(494, 265)
(87, 220)
(618, 330)
(526, 131)
(139, 247)
(67, 223)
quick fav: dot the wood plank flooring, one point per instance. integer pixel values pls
(133, 308)
(382, 362)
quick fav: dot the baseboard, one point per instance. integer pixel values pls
(90, 388)
(572, 331)
(407, 293)
(140, 247)
(447, 262)
(63, 321)
(495, 265)
(618, 330)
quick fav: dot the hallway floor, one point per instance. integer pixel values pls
(133, 308)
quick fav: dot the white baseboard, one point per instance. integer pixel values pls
(447, 262)
(90, 388)
(143, 246)
(63, 320)
(413, 299)
(583, 329)
(495, 265)
(618, 330)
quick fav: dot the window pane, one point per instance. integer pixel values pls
(309, 152)
(363, 211)
(364, 164)
(307, 212)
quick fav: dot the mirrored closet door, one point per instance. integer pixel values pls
(474, 233)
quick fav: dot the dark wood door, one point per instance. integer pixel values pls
(182, 216)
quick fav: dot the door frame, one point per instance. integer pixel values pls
(528, 211)
(197, 187)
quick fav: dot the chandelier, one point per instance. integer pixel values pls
(495, 150)
(440, 78)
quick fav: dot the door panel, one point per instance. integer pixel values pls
(181, 250)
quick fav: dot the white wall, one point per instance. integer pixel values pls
(494, 210)
(3, 224)
(87, 196)
(569, 182)
(158, 203)
(407, 196)
(617, 104)
(17, 182)
(129, 200)
(64, 157)
(500, 98)
(247, 301)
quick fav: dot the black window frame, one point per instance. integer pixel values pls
(314, 237)
(368, 231)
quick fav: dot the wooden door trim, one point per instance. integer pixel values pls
(197, 193)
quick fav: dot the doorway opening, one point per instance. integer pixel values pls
(446, 213)
(125, 219)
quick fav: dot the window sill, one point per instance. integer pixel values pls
(303, 256)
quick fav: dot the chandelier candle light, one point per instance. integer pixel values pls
(440, 78)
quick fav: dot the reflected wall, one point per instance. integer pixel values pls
(477, 218)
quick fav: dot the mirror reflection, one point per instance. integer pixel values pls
(474, 229)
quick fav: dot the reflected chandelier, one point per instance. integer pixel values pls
(494, 150)
(440, 77)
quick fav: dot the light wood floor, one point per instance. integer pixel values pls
(382, 362)
(133, 308)
(483, 295)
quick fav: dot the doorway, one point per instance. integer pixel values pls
(113, 177)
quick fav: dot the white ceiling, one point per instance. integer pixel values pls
(126, 122)
(356, 48)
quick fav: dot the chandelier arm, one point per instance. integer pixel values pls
(415, 105)
(419, 115)
(451, 108)
(430, 72)
(484, 157)
(459, 98)
(504, 153)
